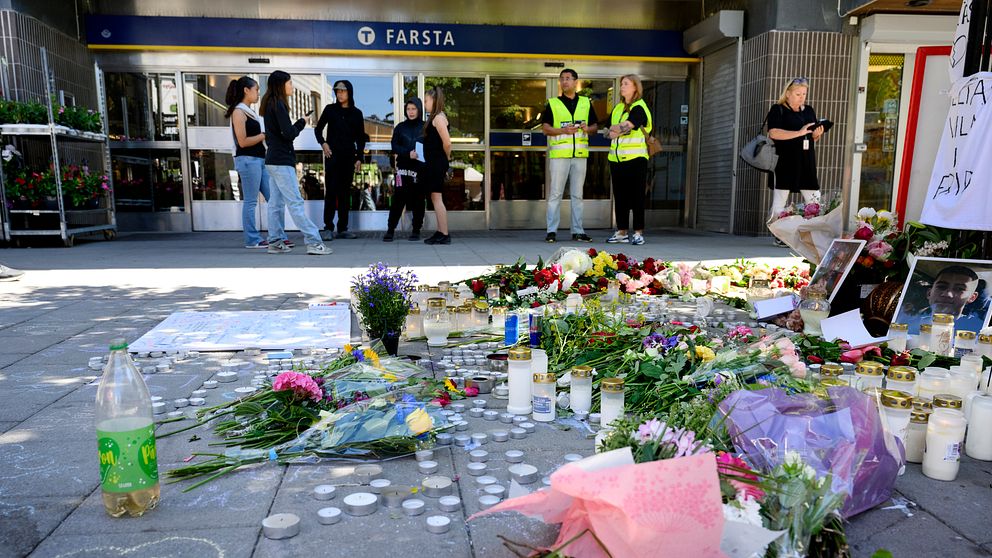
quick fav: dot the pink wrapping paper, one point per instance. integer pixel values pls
(661, 508)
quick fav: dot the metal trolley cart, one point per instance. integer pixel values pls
(58, 218)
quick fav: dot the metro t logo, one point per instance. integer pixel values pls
(366, 35)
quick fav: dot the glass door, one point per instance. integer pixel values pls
(878, 162)
(666, 187)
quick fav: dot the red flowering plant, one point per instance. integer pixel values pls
(31, 186)
(79, 185)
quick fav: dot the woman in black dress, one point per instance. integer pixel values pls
(792, 125)
(437, 153)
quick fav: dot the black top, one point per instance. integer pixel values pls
(548, 117)
(405, 137)
(345, 130)
(796, 168)
(252, 128)
(434, 148)
(638, 117)
(279, 135)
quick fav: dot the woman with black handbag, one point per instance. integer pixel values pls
(793, 126)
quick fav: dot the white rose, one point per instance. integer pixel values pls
(577, 261)
(884, 215)
(567, 279)
(866, 213)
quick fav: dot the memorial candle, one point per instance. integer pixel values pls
(520, 379)
(945, 433)
(580, 396)
(979, 445)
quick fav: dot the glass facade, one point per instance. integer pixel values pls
(142, 106)
(147, 179)
(878, 162)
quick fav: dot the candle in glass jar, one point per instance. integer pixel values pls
(901, 378)
(520, 379)
(898, 335)
(580, 396)
(933, 381)
(543, 398)
(869, 375)
(499, 317)
(984, 345)
(945, 433)
(926, 333)
(437, 322)
(414, 323)
(916, 436)
(896, 408)
(964, 343)
(979, 444)
(611, 400)
(942, 335)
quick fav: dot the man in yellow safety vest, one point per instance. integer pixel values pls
(568, 121)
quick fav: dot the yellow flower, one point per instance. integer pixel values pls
(705, 353)
(389, 377)
(348, 347)
(450, 385)
(370, 354)
(419, 422)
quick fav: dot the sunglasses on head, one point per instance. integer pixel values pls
(800, 81)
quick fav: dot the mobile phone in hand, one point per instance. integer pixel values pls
(309, 112)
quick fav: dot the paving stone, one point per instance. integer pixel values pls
(22, 402)
(919, 535)
(6, 359)
(27, 521)
(963, 502)
(40, 468)
(199, 543)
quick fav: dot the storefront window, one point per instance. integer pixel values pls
(668, 102)
(147, 180)
(142, 106)
(306, 96)
(516, 104)
(878, 162)
(409, 88)
(213, 176)
(465, 105)
(518, 175)
(374, 96)
(205, 98)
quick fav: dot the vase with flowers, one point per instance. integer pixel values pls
(383, 300)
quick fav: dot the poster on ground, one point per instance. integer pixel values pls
(327, 327)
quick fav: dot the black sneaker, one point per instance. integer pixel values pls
(444, 239)
(433, 239)
(388, 237)
(581, 238)
(348, 235)
(550, 238)
(414, 236)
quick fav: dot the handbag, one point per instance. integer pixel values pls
(760, 151)
(654, 144)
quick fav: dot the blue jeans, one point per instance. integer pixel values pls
(286, 193)
(561, 169)
(254, 181)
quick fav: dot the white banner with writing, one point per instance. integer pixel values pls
(960, 192)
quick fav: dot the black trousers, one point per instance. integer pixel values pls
(338, 176)
(410, 196)
(629, 185)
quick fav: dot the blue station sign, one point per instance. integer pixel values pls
(110, 32)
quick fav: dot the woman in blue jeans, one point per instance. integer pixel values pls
(280, 163)
(249, 154)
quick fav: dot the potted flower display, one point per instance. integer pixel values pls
(382, 300)
(83, 189)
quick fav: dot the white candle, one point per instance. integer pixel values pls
(580, 392)
(427, 467)
(437, 486)
(916, 437)
(945, 433)
(543, 397)
(449, 503)
(438, 524)
(519, 369)
(896, 408)
(523, 473)
(413, 507)
(281, 526)
(324, 492)
(377, 485)
(328, 516)
(611, 400)
(361, 503)
(979, 445)
(933, 381)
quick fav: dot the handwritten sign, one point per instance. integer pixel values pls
(959, 193)
(328, 327)
(959, 49)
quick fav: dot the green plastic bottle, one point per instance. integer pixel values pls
(125, 432)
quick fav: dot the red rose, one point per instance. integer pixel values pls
(900, 359)
(864, 233)
(584, 290)
(813, 359)
(593, 252)
(636, 274)
(602, 282)
(478, 286)
(622, 265)
(535, 304)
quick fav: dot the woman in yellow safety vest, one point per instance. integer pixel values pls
(628, 157)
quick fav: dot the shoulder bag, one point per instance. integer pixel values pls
(760, 151)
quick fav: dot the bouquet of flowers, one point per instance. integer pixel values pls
(809, 232)
(382, 300)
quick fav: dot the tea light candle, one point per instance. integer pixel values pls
(480, 403)
(514, 456)
(476, 469)
(501, 391)
(523, 473)
(480, 438)
(530, 427)
(156, 354)
(148, 370)
(436, 486)
(506, 418)
(180, 403)
(246, 390)
(462, 440)
(377, 485)
(198, 393)
(366, 473)
(424, 455)
(486, 480)
(461, 426)
(158, 408)
(414, 507)
(594, 418)
(479, 456)
(427, 467)
(329, 516)
(449, 503)
(488, 501)
(580, 415)
(518, 433)
(499, 435)
(324, 492)
(281, 526)
(495, 490)
(572, 457)
(517, 420)
(438, 524)
(979, 444)
(175, 414)
(443, 439)
(197, 401)
(156, 398)
(475, 412)
(458, 407)
(394, 497)
(361, 503)
(210, 384)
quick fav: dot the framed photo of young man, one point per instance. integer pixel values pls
(946, 286)
(835, 265)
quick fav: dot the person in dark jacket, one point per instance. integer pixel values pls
(407, 192)
(280, 163)
(343, 146)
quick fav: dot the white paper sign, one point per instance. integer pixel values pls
(328, 327)
(961, 182)
(959, 48)
(774, 306)
(849, 327)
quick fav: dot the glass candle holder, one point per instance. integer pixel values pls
(984, 345)
(964, 343)
(520, 379)
(901, 378)
(813, 309)
(480, 313)
(869, 375)
(899, 334)
(414, 323)
(896, 408)
(945, 433)
(543, 397)
(931, 382)
(916, 436)
(942, 335)
(979, 444)
(498, 317)
(924, 339)
(611, 403)
(580, 395)
(437, 322)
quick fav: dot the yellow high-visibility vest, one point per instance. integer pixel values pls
(565, 145)
(632, 144)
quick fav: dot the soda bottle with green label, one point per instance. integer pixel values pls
(125, 432)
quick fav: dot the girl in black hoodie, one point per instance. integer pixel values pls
(407, 192)
(343, 146)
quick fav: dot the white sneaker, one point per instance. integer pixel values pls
(318, 250)
(637, 239)
(279, 247)
(618, 238)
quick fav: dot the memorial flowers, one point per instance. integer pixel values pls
(381, 297)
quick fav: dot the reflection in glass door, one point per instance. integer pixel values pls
(878, 162)
(668, 101)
